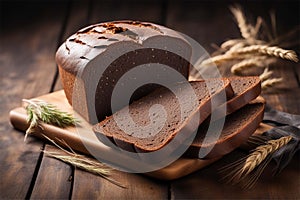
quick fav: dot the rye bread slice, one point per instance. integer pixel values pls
(139, 111)
(237, 128)
(245, 90)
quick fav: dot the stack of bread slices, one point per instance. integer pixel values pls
(244, 112)
(109, 50)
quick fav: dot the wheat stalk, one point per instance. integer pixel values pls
(86, 164)
(259, 22)
(224, 58)
(261, 152)
(265, 75)
(251, 62)
(82, 162)
(270, 82)
(245, 29)
(229, 43)
(268, 50)
(251, 50)
(39, 111)
(236, 47)
(254, 163)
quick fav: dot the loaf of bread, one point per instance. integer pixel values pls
(237, 128)
(93, 60)
(174, 124)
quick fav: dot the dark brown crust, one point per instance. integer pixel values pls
(229, 142)
(73, 53)
(68, 80)
(85, 45)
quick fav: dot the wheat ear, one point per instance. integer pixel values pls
(82, 162)
(267, 50)
(270, 82)
(260, 153)
(219, 59)
(85, 164)
(253, 165)
(266, 74)
(229, 43)
(251, 62)
(241, 22)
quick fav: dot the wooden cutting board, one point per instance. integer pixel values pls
(177, 169)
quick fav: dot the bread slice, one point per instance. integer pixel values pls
(245, 90)
(139, 111)
(237, 128)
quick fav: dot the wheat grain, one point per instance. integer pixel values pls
(241, 22)
(86, 164)
(259, 22)
(236, 47)
(268, 50)
(238, 67)
(229, 43)
(247, 170)
(266, 74)
(270, 82)
(81, 162)
(261, 152)
(219, 59)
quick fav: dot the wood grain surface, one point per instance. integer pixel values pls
(27, 69)
(30, 32)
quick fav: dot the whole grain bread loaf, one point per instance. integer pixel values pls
(93, 60)
(238, 126)
(139, 112)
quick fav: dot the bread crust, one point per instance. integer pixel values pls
(238, 126)
(107, 42)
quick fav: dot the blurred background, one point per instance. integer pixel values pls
(207, 21)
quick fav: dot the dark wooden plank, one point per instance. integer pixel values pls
(28, 39)
(286, 100)
(54, 178)
(138, 187)
(208, 183)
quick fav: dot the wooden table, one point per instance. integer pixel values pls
(30, 33)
